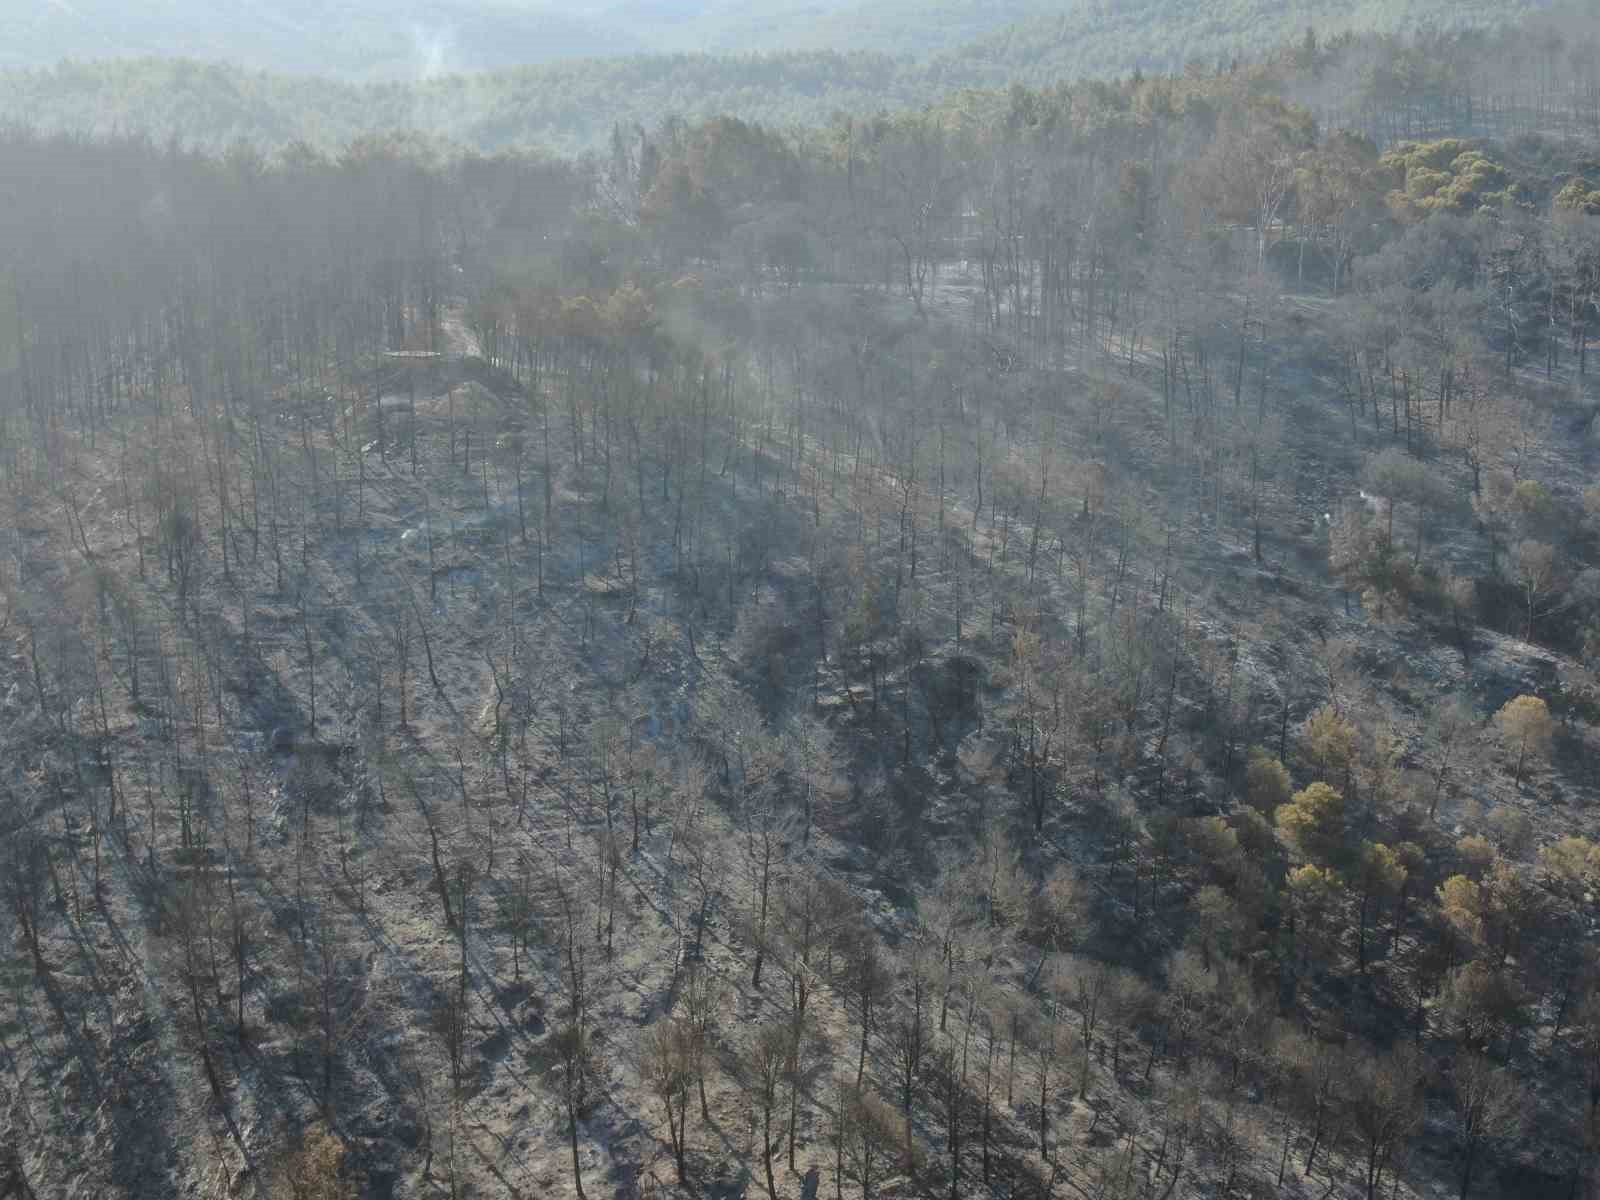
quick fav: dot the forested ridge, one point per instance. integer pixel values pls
(409, 39)
(1043, 645)
(1408, 61)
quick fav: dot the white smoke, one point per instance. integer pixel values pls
(433, 49)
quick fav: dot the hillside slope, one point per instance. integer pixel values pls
(699, 675)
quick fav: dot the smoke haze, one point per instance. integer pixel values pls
(435, 51)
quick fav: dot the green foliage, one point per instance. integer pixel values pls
(1267, 783)
(1330, 742)
(1578, 197)
(1312, 894)
(1461, 903)
(1216, 845)
(1313, 822)
(1448, 175)
(1380, 869)
(1255, 834)
(1526, 728)
(1573, 862)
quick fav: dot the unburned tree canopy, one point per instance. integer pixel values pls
(1266, 781)
(1526, 728)
(1461, 902)
(1380, 869)
(1330, 742)
(1254, 832)
(1573, 861)
(1313, 822)
(1312, 893)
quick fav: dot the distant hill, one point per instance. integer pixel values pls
(1108, 37)
(411, 39)
(896, 61)
(364, 39)
(567, 107)
(917, 28)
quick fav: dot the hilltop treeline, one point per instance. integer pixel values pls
(1469, 82)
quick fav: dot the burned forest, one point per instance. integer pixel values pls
(1040, 645)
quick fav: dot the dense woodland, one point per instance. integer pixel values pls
(1044, 646)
